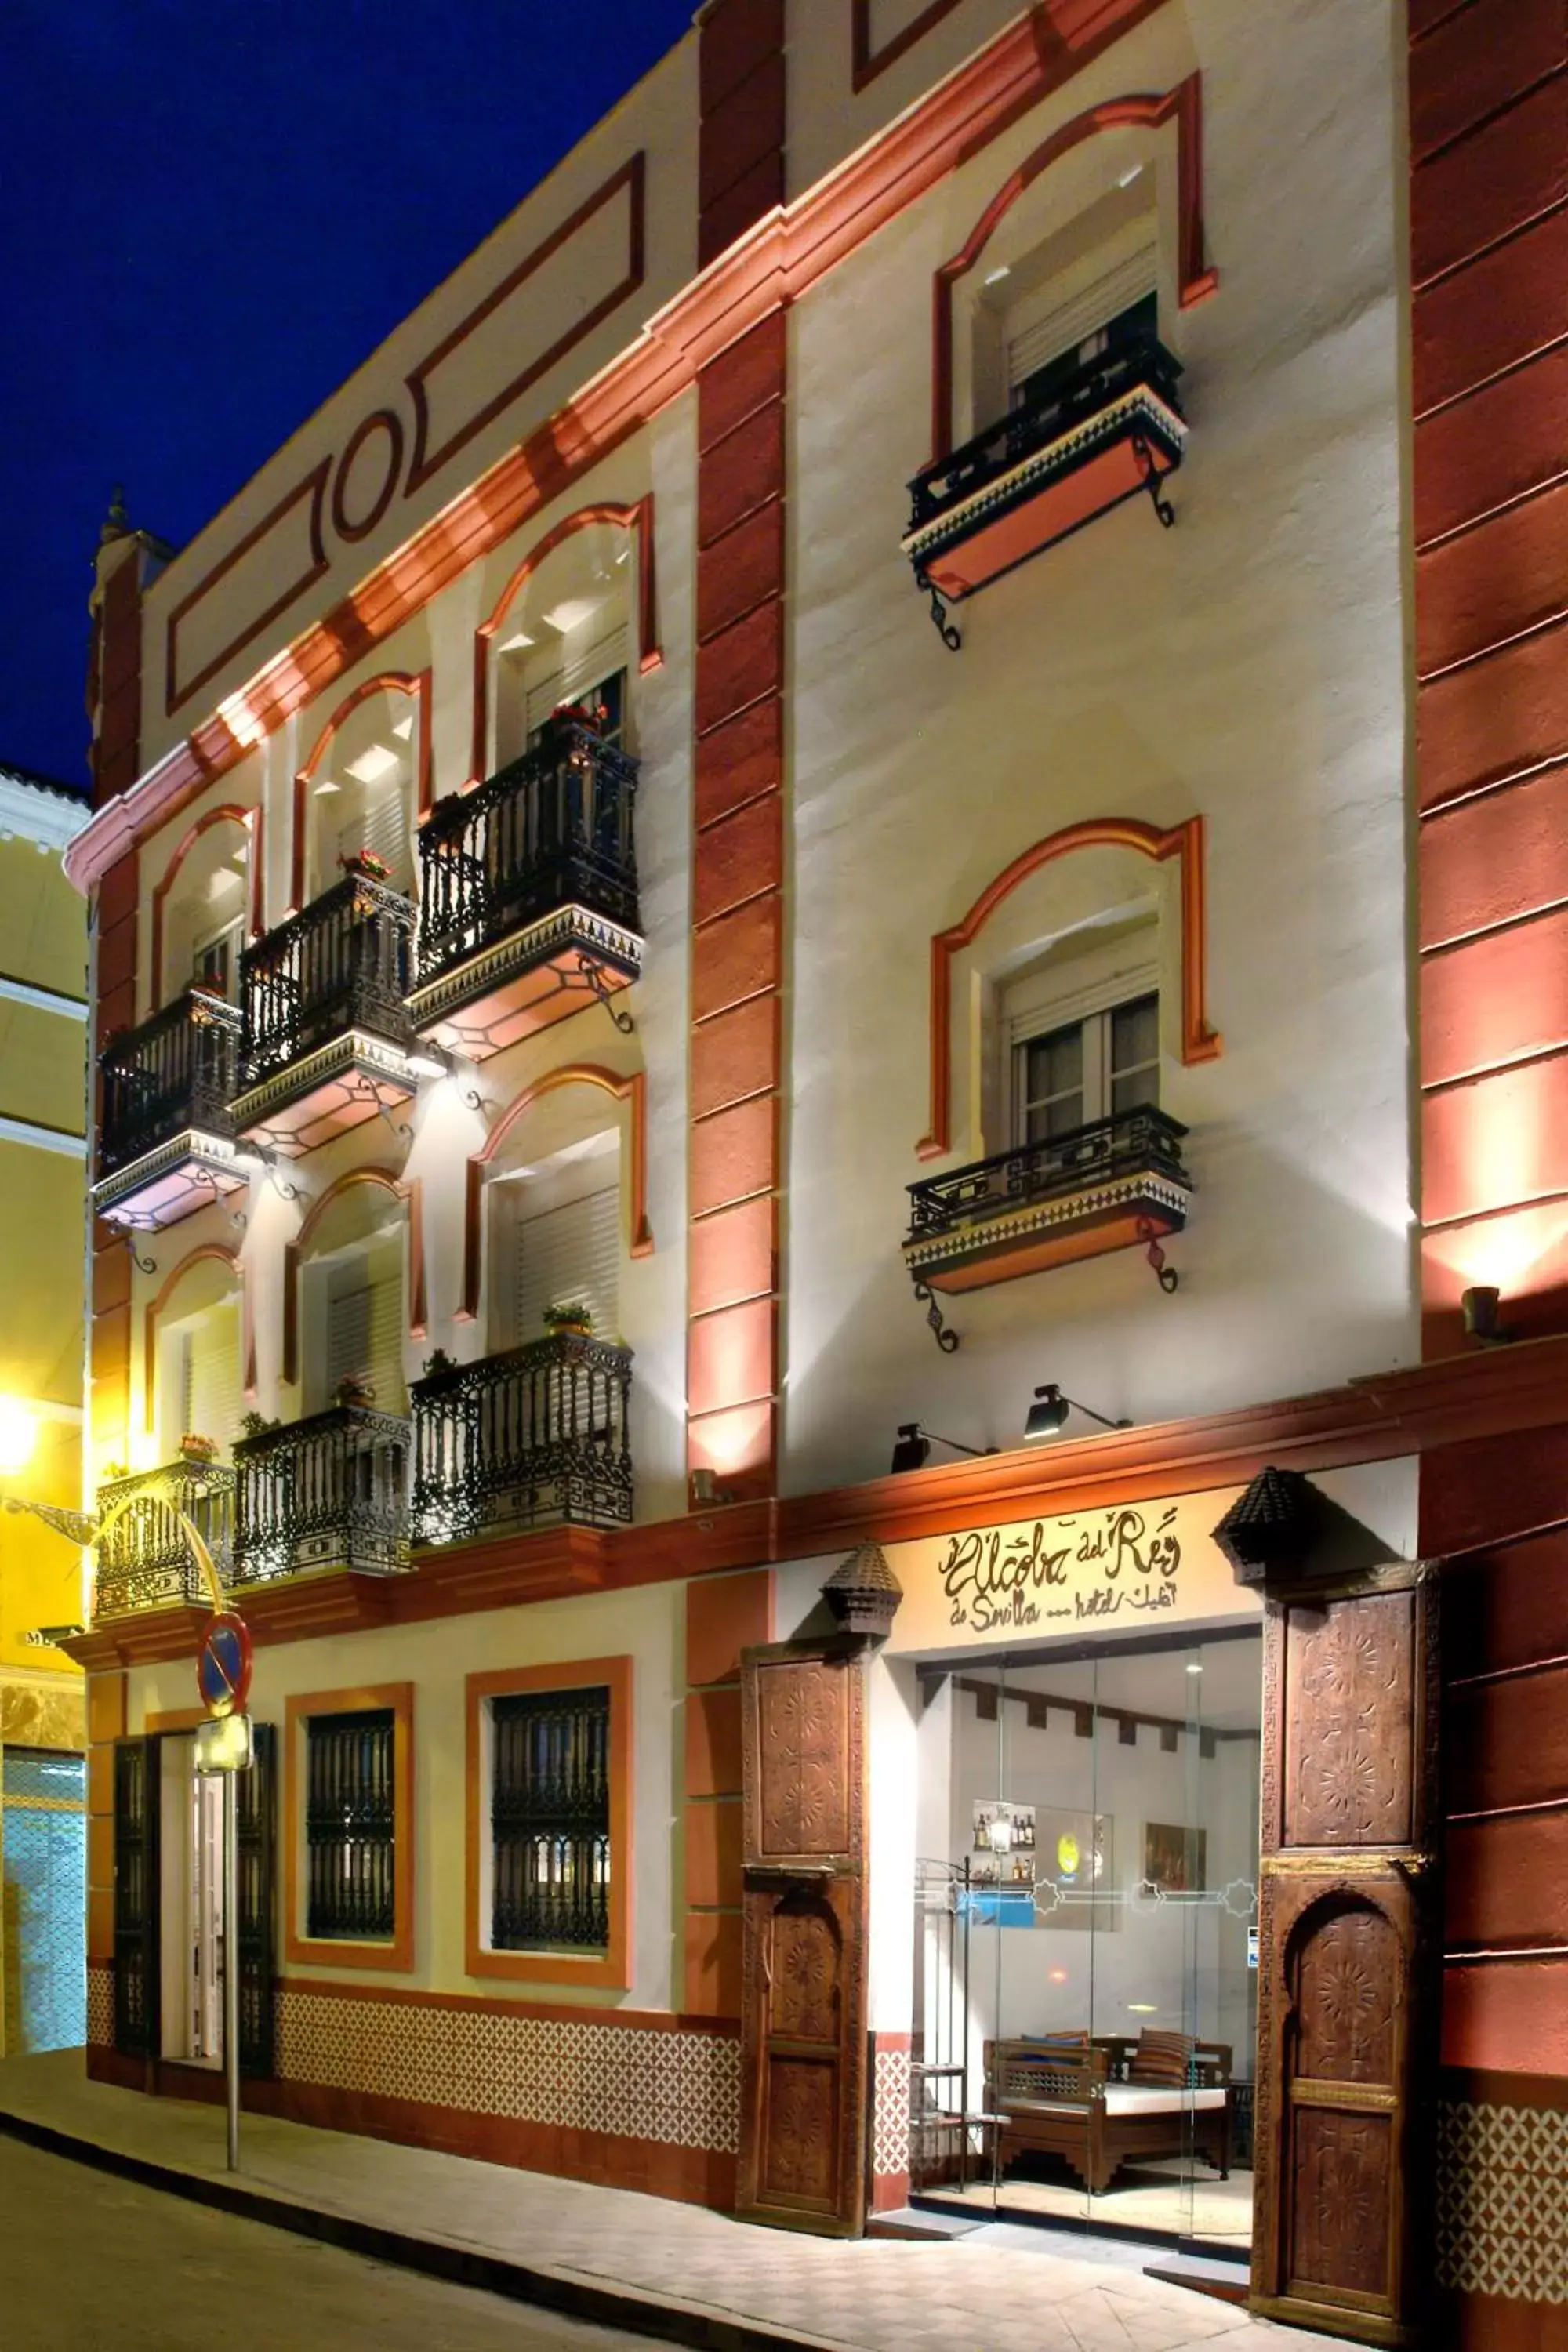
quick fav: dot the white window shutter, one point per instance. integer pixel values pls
(569, 1253)
(364, 1327)
(213, 1380)
(542, 698)
(379, 824)
(1039, 331)
(595, 663)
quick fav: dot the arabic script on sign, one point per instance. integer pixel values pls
(1095, 1564)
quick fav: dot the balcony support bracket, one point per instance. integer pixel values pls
(1152, 478)
(142, 1264)
(946, 1340)
(941, 619)
(1165, 1276)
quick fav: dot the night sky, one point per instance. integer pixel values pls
(211, 215)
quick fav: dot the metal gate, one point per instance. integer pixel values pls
(943, 2123)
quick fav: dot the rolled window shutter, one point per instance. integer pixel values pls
(381, 824)
(596, 662)
(1039, 331)
(348, 1335)
(364, 1332)
(542, 698)
(573, 1252)
(214, 1378)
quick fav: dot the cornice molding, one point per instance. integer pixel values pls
(1383, 1417)
(39, 814)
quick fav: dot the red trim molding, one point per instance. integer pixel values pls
(787, 252)
(387, 1180)
(380, 420)
(425, 461)
(252, 821)
(314, 489)
(387, 681)
(632, 1092)
(865, 63)
(1184, 104)
(1184, 842)
(638, 520)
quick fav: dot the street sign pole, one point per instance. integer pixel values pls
(231, 1960)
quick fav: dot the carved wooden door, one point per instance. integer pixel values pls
(802, 2113)
(1347, 1997)
(257, 1805)
(137, 1898)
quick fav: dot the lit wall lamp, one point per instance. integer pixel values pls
(706, 1490)
(427, 1061)
(915, 1443)
(1050, 1410)
(1478, 1304)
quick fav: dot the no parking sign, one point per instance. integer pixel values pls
(223, 1667)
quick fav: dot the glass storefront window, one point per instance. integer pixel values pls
(1086, 1909)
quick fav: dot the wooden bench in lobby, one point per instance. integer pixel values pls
(1104, 2102)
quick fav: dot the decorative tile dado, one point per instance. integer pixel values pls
(681, 2088)
(890, 2110)
(1502, 2193)
(100, 2005)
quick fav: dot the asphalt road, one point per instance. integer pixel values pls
(88, 2263)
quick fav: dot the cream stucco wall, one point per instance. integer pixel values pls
(647, 1625)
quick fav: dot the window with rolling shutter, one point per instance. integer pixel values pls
(596, 673)
(379, 822)
(1066, 324)
(212, 1377)
(568, 1254)
(364, 1322)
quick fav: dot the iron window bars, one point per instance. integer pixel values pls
(550, 1819)
(351, 1825)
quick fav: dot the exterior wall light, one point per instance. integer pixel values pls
(1049, 1412)
(1478, 1306)
(915, 1442)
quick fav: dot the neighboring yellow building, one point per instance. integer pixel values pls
(42, 1038)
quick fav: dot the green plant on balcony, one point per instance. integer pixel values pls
(563, 1315)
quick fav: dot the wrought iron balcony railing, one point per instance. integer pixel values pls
(143, 1558)
(531, 1437)
(328, 1492)
(343, 965)
(552, 830)
(1142, 1143)
(1034, 427)
(177, 1071)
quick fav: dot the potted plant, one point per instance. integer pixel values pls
(198, 1449)
(356, 1388)
(255, 1424)
(438, 1361)
(568, 1315)
(368, 862)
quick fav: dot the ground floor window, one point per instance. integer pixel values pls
(350, 1824)
(1086, 1935)
(550, 1819)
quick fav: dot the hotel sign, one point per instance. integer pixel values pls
(1127, 1566)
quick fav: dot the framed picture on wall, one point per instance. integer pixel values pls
(1175, 1859)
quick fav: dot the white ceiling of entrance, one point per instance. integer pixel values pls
(1228, 1694)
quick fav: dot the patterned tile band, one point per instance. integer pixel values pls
(681, 2088)
(1502, 2200)
(891, 2112)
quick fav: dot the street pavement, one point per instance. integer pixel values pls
(90, 2264)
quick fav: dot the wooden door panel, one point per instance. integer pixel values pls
(1348, 1728)
(804, 2060)
(137, 1898)
(1347, 2001)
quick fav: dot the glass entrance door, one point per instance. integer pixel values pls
(1096, 1906)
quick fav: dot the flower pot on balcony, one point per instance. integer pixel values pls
(570, 1318)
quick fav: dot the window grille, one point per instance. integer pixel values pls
(549, 1816)
(350, 1825)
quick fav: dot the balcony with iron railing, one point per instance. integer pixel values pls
(144, 1559)
(530, 1438)
(165, 1133)
(1115, 1183)
(528, 893)
(325, 1038)
(1112, 428)
(328, 1492)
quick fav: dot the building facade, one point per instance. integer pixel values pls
(43, 1189)
(895, 765)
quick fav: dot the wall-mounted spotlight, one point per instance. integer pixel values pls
(1049, 1412)
(1478, 1304)
(427, 1061)
(706, 1491)
(915, 1443)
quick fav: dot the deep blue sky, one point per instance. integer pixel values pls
(209, 214)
